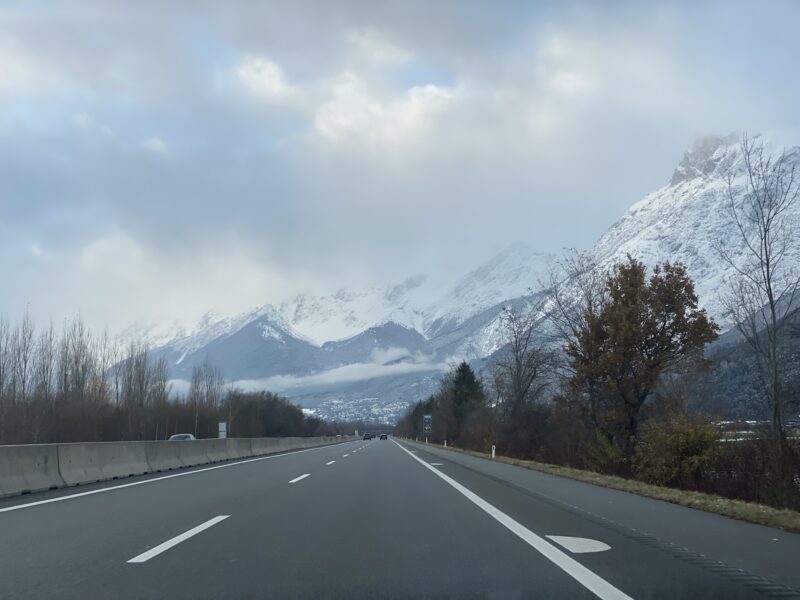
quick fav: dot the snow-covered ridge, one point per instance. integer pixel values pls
(404, 332)
(687, 220)
(190, 336)
(417, 303)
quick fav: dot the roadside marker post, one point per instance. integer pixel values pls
(492, 450)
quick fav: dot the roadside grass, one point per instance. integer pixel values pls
(785, 519)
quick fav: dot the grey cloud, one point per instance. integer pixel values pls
(126, 129)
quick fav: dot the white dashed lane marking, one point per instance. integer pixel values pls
(145, 556)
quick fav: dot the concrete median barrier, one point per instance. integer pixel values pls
(192, 453)
(30, 468)
(296, 443)
(239, 448)
(262, 446)
(99, 461)
(216, 450)
(37, 467)
(164, 456)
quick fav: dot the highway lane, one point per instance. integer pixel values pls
(362, 519)
(763, 552)
(59, 549)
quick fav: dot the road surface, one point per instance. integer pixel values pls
(378, 519)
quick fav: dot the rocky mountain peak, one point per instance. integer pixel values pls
(704, 157)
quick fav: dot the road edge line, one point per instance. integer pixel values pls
(587, 578)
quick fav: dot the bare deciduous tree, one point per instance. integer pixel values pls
(78, 386)
(196, 394)
(44, 371)
(5, 372)
(764, 292)
(206, 388)
(213, 384)
(23, 357)
(524, 371)
(160, 387)
(578, 295)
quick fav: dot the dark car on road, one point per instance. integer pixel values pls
(384, 436)
(367, 436)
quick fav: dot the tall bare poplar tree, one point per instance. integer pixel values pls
(764, 292)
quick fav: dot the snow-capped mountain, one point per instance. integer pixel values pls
(687, 220)
(347, 312)
(514, 272)
(331, 345)
(368, 352)
(418, 302)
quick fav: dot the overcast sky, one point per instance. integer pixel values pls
(159, 159)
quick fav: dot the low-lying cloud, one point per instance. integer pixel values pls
(340, 375)
(386, 362)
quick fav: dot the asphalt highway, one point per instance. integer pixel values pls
(378, 519)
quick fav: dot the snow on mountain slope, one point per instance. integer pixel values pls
(401, 335)
(513, 273)
(685, 221)
(347, 312)
(418, 302)
(185, 338)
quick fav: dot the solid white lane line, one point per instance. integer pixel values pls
(145, 556)
(154, 479)
(330, 462)
(588, 579)
(303, 476)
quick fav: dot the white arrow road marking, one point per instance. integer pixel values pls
(579, 545)
(296, 479)
(587, 578)
(145, 556)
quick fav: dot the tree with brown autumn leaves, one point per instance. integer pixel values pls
(647, 327)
